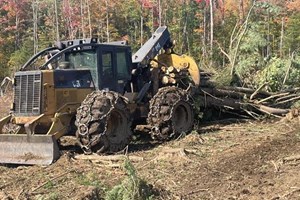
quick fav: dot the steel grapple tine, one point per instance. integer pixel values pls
(28, 149)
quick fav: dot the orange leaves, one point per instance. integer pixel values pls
(293, 5)
(198, 30)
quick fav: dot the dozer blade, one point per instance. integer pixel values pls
(28, 149)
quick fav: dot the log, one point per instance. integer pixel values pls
(172, 75)
(170, 69)
(165, 80)
(274, 111)
(172, 80)
(247, 100)
(246, 90)
(209, 101)
(222, 93)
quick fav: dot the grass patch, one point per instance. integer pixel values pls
(51, 196)
(49, 185)
(131, 188)
(298, 134)
(89, 179)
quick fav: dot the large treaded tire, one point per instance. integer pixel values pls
(171, 113)
(103, 123)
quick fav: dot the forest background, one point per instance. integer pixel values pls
(243, 42)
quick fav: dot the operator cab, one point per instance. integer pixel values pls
(109, 63)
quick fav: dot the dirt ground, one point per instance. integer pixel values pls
(236, 160)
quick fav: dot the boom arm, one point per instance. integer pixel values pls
(160, 39)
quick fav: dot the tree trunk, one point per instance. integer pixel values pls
(107, 21)
(241, 11)
(281, 37)
(35, 38)
(89, 17)
(82, 18)
(204, 54)
(56, 20)
(159, 13)
(211, 30)
(17, 33)
(142, 24)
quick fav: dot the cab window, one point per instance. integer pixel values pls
(107, 67)
(84, 60)
(122, 67)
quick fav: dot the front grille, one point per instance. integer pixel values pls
(27, 93)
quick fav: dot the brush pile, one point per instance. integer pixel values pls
(246, 101)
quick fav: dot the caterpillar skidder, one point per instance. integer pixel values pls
(97, 91)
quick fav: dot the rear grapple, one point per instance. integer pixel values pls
(103, 123)
(171, 113)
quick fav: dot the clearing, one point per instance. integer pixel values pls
(232, 160)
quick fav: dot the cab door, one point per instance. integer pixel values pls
(107, 69)
(115, 68)
(123, 68)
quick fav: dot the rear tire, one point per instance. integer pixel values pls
(171, 113)
(103, 123)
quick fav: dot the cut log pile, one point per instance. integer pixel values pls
(252, 102)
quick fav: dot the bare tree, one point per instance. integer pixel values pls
(159, 12)
(142, 24)
(56, 20)
(281, 37)
(82, 18)
(35, 21)
(211, 29)
(107, 20)
(89, 16)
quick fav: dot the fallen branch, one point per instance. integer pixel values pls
(288, 100)
(196, 191)
(247, 90)
(52, 179)
(96, 157)
(275, 166)
(296, 189)
(287, 96)
(19, 194)
(252, 114)
(272, 97)
(109, 165)
(5, 185)
(181, 151)
(291, 158)
(257, 91)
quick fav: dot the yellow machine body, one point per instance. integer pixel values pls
(35, 138)
(46, 99)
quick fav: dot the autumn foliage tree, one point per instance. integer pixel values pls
(212, 31)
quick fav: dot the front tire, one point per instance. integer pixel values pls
(103, 123)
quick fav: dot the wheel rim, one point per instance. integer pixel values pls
(116, 126)
(182, 118)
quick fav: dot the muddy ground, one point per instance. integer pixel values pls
(232, 160)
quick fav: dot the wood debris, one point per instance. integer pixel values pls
(255, 103)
